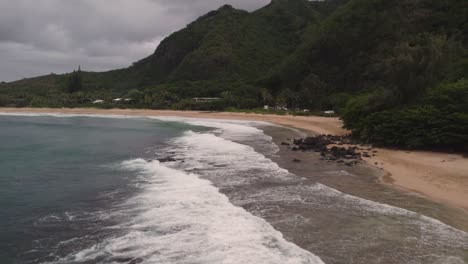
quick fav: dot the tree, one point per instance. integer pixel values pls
(75, 82)
(230, 99)
(135, 95)
(4, 100)
(288, 98)
(266, 96)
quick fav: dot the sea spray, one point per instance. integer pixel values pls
(224, 175)
(179, 218)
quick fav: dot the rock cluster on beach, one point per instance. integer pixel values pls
(333, 148)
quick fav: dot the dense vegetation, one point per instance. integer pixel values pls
(395, 71)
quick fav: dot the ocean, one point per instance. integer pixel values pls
(91, 189)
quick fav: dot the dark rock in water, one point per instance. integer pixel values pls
(295, 148)
(320, 144)
(167, 159)
(285, 144)
(297, 160)
(297, 141)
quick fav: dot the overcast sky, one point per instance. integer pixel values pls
(39, 37)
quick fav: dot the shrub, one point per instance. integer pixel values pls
(4, 100)
(421, 127)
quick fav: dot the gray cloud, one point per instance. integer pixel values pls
(40, 37)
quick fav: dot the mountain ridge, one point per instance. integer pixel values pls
(377, 63)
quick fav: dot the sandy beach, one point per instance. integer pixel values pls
(441, 177)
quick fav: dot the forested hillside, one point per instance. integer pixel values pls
(224, 50)
(382, 65)
(396, 71)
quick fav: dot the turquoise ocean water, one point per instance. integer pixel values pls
(91, 189)
(88, 189)
(55, 169)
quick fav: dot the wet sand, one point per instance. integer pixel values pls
(365, 222)
(441, 177)
(361, 222)
(362, 180)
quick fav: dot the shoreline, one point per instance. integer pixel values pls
(362, 180)
(441, 177)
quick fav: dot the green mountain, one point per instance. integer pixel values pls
(225, 44)
(394, 70)
(405, 46)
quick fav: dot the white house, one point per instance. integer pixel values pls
(98, 101)
(117, 100)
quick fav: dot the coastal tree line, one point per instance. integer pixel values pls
(394, 71)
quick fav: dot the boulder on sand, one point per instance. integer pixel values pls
(320, 144)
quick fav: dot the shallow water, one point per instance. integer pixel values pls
(94, 193)
(58, 178)
(384, 225)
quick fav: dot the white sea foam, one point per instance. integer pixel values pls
(229, 164)
(245, 132)
(61, 115)
(180, 217)
(226, 162)
(431, 232)
(236, 130)
(184, 219)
